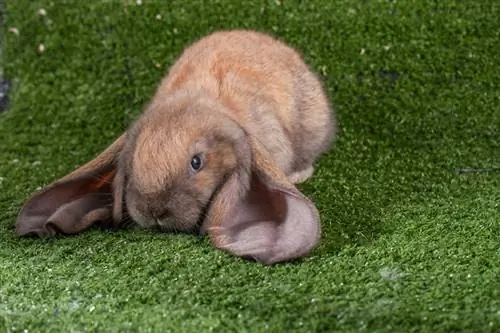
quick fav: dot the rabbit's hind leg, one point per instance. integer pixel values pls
(300, 176)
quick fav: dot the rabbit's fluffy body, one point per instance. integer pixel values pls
(256, 117)
(256, 81)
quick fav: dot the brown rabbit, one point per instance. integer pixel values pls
(238, 120)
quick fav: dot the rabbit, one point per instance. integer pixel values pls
(235, 125)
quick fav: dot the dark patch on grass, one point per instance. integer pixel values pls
(4, 94)
(390, 75)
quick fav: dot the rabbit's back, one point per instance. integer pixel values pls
(270, 91)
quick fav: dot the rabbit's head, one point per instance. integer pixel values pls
(175, 160)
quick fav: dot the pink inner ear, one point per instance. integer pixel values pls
(68, 207)
(268, 223)
(258, 204)
(80, 214)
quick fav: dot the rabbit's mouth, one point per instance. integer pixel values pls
(173, 224)
(165, 223)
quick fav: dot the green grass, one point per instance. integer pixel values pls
(409, 244)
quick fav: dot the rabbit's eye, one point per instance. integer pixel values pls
(196, 162)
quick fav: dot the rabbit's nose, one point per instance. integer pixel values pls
(160, 214)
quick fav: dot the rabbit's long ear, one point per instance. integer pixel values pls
(258, 214)
(74, 202)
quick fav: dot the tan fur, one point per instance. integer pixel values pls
(267, 88)
(259, 118)
(257, 81)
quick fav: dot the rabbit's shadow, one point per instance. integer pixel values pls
(352, 221)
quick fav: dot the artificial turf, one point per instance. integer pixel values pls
(409, 244)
